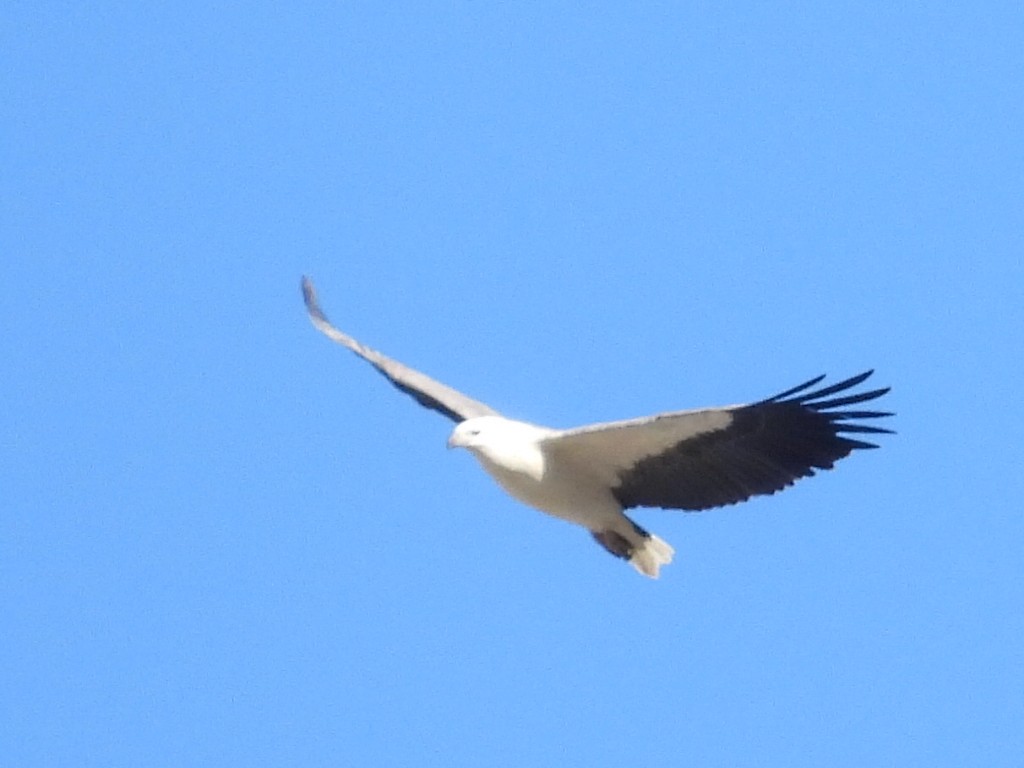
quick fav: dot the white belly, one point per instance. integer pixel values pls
(559, 494)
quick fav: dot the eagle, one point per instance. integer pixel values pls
(688, 460)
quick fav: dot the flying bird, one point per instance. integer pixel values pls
(688, 460)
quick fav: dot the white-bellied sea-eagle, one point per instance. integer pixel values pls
(689, 460)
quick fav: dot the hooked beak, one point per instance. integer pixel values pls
(458, 439)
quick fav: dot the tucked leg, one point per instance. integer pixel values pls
(614, 542)
(644, 551)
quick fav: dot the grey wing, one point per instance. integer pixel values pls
(696, 460)
(426, 391)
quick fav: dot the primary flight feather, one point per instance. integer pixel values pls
(689, 460)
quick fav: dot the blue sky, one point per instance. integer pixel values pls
(225, 541)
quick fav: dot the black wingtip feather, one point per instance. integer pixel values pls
(863, 428)
(838, 402)
(827, 408)
(863, 414)
(794, 390)
(310, 300)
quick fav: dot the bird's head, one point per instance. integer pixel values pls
(502, 444)
(476, 432)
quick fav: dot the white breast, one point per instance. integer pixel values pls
(530, 476)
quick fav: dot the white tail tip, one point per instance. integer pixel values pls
(651, 555)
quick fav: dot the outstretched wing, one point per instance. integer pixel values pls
(427, 391)
(696, 460)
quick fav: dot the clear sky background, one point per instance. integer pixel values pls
(226, 541)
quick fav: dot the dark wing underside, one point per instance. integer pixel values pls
(428, 392)
(766, 447)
